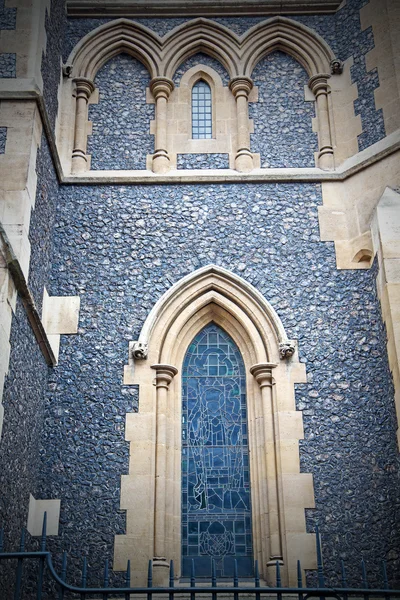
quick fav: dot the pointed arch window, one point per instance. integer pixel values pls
(216, 505)
(201, 111)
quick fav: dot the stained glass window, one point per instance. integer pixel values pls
(216, 507)
(201, 111)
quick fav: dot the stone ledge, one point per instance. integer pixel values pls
(169, 8)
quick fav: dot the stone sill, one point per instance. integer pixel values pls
(204, 8)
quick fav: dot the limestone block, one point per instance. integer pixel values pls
(290, 425)
(298, 490)
(60, 314)
(37, 508)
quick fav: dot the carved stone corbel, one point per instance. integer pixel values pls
(287, 348)
(336, 66)
(139, 350)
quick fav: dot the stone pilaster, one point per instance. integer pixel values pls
(318, 84)
(241, 87)
(263, 375)
(161, 87)
(84, 89)
(164, 376)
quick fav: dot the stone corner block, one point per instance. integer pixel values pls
(36, 511)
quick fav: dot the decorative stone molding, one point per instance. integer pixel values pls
(318, 84)
(83, 89)
(164, 376)
(241, 88)
(153, 502)
(161, 87)
(272, 500)
(139, 350)
(168, 8)
(287, 348)
(162, 56)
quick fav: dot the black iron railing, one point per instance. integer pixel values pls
(254, 590)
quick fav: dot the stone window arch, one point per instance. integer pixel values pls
(151, 492)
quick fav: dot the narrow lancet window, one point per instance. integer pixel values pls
(201, 111)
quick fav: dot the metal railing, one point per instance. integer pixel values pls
(234, 591)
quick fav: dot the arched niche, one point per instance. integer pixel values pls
(151, 492)
(162, 56)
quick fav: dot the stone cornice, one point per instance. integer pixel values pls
(205, 8)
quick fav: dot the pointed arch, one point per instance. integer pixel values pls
(287, 35)
(151, 492)
(215, 286)
(115, 37)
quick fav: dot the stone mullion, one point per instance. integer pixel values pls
(263, 376)
(161, 87)
(319, 86)
(241, 87)
(164, 376)
(84, 89)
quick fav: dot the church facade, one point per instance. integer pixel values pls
(200, 284)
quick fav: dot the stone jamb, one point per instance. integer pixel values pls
(213, 294)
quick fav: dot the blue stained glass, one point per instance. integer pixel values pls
(215, 467)
(201, 111)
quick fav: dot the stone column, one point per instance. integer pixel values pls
(164, 376)
(84, 89)
(318, 84)
(241, 87)
(161, 87)
(263, 375)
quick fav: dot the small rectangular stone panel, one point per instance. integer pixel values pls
(203, 161)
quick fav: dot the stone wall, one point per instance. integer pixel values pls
(52, 60)
(120, 248)
(42, 223)
(121, 137)
(352, 42)
(7, 59)
(282, 119)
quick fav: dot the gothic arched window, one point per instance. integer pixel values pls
(201, 111)
(216, 506)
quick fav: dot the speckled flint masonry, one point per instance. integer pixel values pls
(120, 247)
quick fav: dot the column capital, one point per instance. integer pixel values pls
(318, 84)
(262, 373)
(84, 87)
(161, 87)
(241, 86)
(164, 374)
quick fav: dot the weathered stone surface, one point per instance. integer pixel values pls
(120, 248)
(8, 66)
(3, 138)
(121, 120)
(283, 133)
(203, 161)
